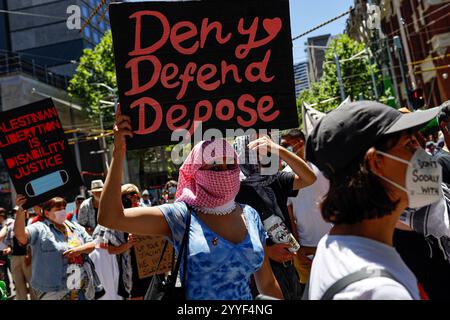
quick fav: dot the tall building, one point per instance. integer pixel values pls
(316, 55)
(38, 55)
(425, 35)
(301, 77)
(5, 44)
(421, 46)
(18, 88)
(38, 31)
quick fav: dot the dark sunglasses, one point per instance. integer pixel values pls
(221, 167)
(132, 194)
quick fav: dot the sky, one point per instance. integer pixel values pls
(306, 14)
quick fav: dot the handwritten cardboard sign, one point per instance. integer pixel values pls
(36, 153)
(148, 251)
(225, 64)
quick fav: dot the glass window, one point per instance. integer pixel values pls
(96, 37)
(87, 32)
(84, 12)
(102, 26)
(92, 3)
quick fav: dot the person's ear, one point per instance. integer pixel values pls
(375, 161)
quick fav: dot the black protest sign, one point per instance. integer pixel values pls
(226, 64)
(36, 152)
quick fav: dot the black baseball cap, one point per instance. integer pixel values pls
(350, 130)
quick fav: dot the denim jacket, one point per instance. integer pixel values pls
(49, 266)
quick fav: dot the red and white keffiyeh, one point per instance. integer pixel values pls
(206, 188)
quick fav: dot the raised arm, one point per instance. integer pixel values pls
(20, 232)
(141, 221)
(304, 176)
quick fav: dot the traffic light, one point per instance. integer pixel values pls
(417, 98)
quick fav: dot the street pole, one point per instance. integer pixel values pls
(398, 48)
(369, 18)
(393, 76)
(105, 155)
(115, 103)
(405, 43)
(125, 172)
(113, 93)
(75, 146)
(374, 84)
(338, 68)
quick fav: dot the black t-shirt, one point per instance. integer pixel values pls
(426, 261)
(443, 158)
(140, 286)
(17, 249)
(282, 188)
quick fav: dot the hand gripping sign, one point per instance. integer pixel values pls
(35, 150)
(225, 64)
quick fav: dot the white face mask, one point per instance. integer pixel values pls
(423, 179)
(60, 216)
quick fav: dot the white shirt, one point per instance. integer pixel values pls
(143, 204)
(338, 256)
(310, 225)
(4, 244)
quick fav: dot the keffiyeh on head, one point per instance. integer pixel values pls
(206, 188)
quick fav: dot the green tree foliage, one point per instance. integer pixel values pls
(355, 74)
(96, 66)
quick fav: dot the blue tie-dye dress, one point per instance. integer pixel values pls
(217, 269)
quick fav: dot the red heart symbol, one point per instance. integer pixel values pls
(272, 26)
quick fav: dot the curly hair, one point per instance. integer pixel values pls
(356, 193)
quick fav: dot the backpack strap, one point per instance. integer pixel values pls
(183, 252)
(186, 246)
(356, 276)
(162, 256)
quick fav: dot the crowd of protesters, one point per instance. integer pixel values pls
(358, 209)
